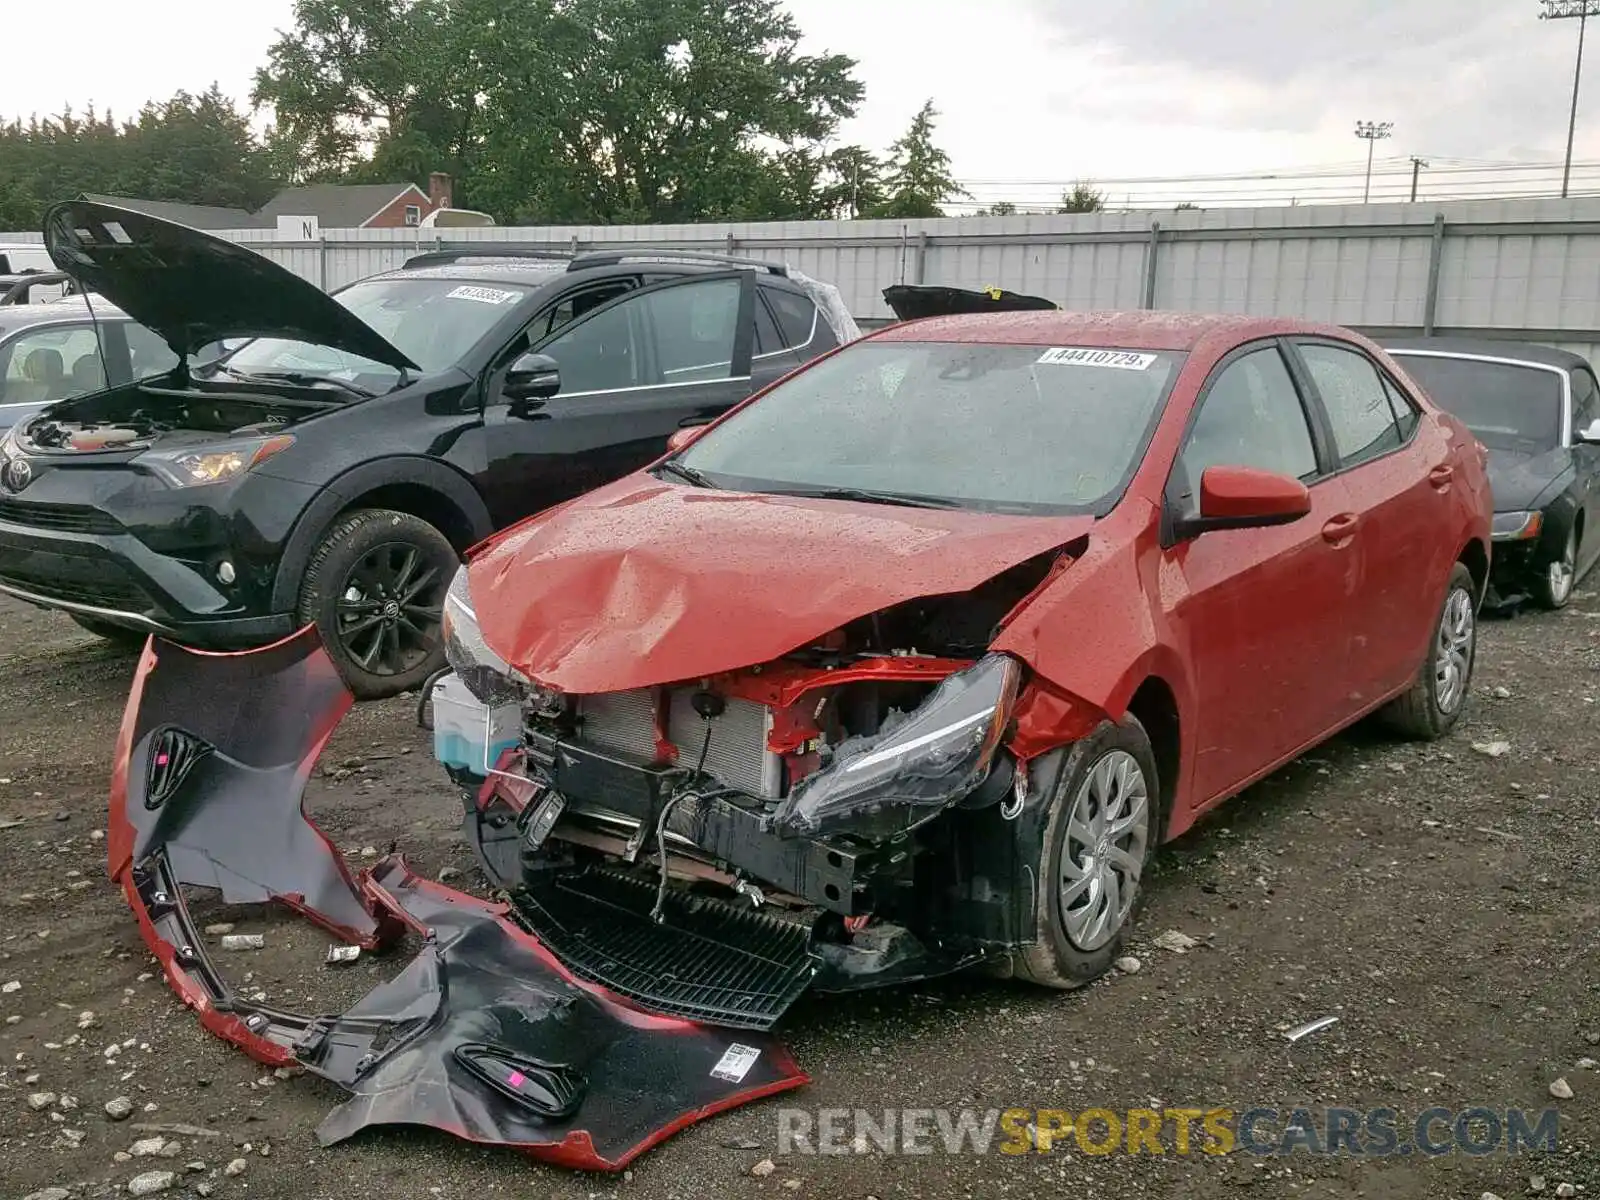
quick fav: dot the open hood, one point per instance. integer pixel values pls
(645, 582)
(912, 301)
(194, 289)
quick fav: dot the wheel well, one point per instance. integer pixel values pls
(1476, 559)
(1157, 710)
(420, 501)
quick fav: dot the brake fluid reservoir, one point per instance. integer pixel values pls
(468, 735)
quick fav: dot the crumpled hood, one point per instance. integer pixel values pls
(1519, 481)
(646, 582)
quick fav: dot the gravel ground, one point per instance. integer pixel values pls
(1442, 902)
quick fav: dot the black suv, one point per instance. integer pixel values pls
(331, 470)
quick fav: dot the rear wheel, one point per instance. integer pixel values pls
(1098, 842)
(375, 591)
(122, 639)
(1438, 694)
(1553, 586)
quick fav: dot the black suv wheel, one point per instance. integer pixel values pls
(375, 591)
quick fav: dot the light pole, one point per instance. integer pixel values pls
(1561, 10)
(1371, 132)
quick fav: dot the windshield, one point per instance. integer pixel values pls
(998, 428)
(433, 322)
(1507, 406)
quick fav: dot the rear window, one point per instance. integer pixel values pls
(1508, 406)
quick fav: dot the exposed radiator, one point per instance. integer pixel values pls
(624, 723)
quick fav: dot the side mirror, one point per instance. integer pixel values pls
(682, 438)
(1591, 435)
(533, 377)
(1246, 498)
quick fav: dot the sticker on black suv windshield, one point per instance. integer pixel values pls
(1083, 356)
(482, 295)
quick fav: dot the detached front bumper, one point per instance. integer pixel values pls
(484, 1034)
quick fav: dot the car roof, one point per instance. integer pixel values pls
(1142, 330)
(1528, 352)
(67, 308)
(531, 272)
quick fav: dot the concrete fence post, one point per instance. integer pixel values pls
(1430, 305)
(1152, 250)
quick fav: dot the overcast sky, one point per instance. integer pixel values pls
(1041, 90)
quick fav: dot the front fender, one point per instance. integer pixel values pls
(353, 484)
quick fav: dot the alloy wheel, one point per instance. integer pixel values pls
(1563, 572)
(1107, 832)
(390, 608)
(1452, 660)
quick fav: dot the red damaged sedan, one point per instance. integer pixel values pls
(910, 662)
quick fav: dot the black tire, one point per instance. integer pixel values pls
(1054, 959)
(375, 590)
(122, 639)
(1551, 590)
(1427, 711)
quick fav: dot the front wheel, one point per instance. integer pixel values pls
(1438, 694)
(375, 590)
(1097, 845)
(1552, 587)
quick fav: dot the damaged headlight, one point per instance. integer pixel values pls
(491, 679)
(921, 763)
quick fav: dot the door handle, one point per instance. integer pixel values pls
(1442, 476)
(1340, 528)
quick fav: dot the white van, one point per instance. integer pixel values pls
(18, 259)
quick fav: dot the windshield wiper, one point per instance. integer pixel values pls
(867, 495)
(305, 379)
(689, 475)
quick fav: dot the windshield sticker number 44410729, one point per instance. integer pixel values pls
(1086, 356)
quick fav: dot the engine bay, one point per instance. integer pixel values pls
(137, 417)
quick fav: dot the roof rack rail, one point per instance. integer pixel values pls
(611, 258)
(435, 258)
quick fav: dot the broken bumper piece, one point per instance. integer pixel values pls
(485, 1034)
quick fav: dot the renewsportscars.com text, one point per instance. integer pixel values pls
(1376, 1132)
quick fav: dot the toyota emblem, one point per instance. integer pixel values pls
(18, 474)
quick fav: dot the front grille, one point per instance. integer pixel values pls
(624, 723)
(70, 518)
(104, 585)
(709, 960)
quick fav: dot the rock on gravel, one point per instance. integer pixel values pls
(1561, 1089)
(1492, 749)
(49, 1193)
(151, 1182)
(147, 1147)
(119, 1108)
(236, 1167)
(1175, 941)
(1128, 964)
(39, 1101)
(763, 1168)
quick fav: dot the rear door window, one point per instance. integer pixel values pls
(1359, 410)
(796, 316)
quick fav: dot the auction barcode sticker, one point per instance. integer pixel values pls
(482, 295)
(735, 1063)
(1083, 356)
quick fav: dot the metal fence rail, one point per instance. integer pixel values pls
(1512, 268)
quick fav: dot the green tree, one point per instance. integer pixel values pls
(1000, 208)
(564, 110)
(919, 182)
(1082, 199)
(195, 149)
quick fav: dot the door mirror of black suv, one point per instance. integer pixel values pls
(532, 377)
